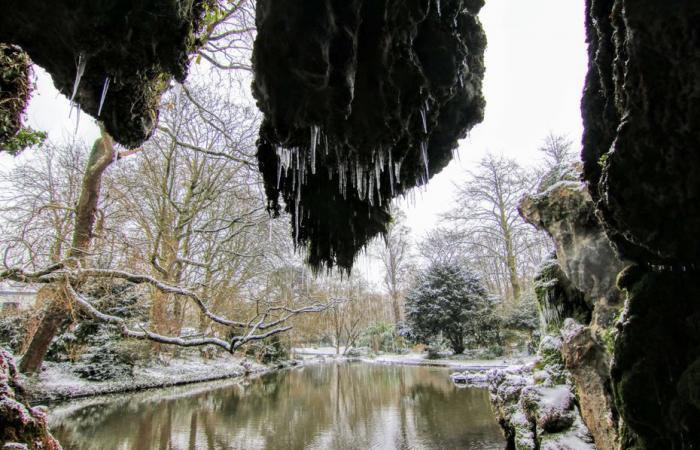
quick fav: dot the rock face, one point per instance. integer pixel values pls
(656, 369)
(138, 45)
(642, 131)
(641, 117)
(22, 425)
(362, 101)
(588, 363)
(579, 286)
(567, 213)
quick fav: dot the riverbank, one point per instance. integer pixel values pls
(418, 359)
(57, 381)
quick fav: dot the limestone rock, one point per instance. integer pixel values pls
(536, 416)
(587, 361)
(362, 101)
(567, 213)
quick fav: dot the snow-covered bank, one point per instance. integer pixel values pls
(416, 359)
(58, 382)
(534, 402)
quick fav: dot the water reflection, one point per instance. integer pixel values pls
(345, 406)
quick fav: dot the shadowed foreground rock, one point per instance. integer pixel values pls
(138, 45)
(362, 101)
(641, 111)
(22, 426)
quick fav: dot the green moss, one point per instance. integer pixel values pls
(15, 89)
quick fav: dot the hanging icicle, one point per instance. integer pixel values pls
(103, 96)
(79, 71)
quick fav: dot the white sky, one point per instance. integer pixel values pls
(535, 66)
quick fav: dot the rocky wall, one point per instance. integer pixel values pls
(579, 299)
(641, 112)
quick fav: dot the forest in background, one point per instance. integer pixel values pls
(182, 250)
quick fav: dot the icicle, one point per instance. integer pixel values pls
(79, 71)
(296, 210)
(377, 172)
(397, 169)
(325, 140)
(105, 87)
(279, 167)
(296, 222)
(313, 141)
(77, 118)
(370, 190)
(391, 175)
(424, 154)
(437, 3)
(425, 122)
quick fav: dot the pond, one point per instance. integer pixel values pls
(321, 407)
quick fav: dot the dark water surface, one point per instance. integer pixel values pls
(323, 407)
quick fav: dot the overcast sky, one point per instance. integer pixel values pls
(535, 67)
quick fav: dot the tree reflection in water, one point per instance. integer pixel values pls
(336, 406)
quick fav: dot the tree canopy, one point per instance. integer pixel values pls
(451, 300)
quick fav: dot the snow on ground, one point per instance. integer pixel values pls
(57, 381)
(420, 359)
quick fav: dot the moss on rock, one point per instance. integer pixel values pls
(655, 372)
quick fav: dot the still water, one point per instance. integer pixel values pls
(323, 407)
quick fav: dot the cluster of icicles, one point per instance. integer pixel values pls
(365, 180)
(79, 71)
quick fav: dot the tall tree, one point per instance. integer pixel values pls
(486, 213)
(396, 261)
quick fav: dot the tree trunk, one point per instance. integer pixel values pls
(101, 157)
(457, 344)
(512, 265)
(397, 310)
(54, 315)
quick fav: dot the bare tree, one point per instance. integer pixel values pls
(394, 253)
(38, 204)
(444, 245)
(188, 212)
(486, 214)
